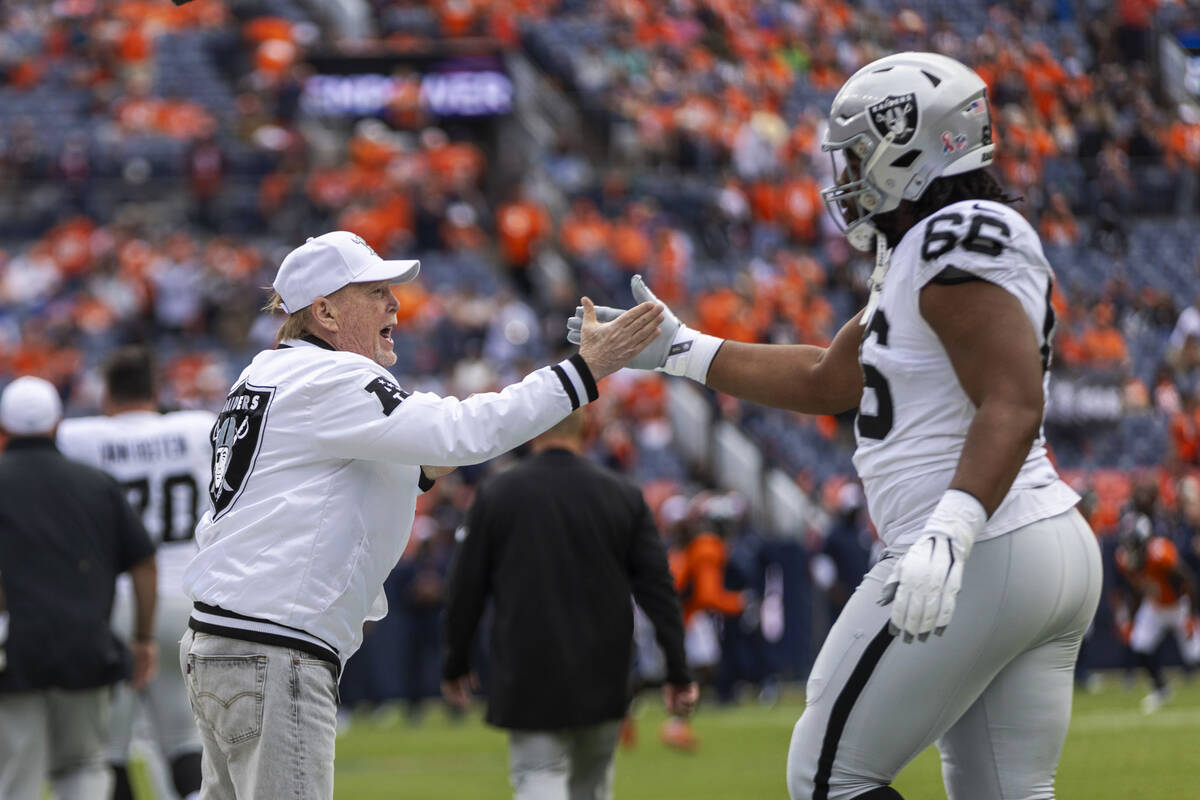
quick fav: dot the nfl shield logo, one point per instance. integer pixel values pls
(897, 115)
(236, 440)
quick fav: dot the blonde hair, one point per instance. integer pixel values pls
(295, 325)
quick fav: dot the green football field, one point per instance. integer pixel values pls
(1114, 752)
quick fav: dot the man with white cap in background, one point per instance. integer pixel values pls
(67, 533)
(317, 464)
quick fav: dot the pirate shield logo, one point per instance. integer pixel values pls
(897, 115)
(236, 439)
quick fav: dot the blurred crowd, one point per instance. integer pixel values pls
(157, 161)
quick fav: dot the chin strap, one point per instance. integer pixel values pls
(883, 259)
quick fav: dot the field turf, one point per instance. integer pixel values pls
(1113, 752)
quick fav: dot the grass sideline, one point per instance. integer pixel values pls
(1113, 752)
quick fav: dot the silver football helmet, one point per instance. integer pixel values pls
(896, 125)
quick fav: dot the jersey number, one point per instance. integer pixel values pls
(941, 236)
(180, 496)
(879, 424)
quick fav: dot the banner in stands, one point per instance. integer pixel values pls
(451, 86)
(1083, 400)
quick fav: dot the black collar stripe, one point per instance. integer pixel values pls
(311, 339)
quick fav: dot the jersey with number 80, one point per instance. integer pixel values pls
(162, 461)
(914, 415)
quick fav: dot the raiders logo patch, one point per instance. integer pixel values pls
(236, 440)
(390, 395)
(897, 115)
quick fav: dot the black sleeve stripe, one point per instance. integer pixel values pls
(952, 275)
(567, 385)
(585, 372)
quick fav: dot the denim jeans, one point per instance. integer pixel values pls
(267, 717)
(572, 764)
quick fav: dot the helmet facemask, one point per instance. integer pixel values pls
(853, 200)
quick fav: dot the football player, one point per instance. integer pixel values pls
(1165, 593)
(162, 460)
(966, 632)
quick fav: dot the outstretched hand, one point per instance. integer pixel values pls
(654, 355)
(608, 346)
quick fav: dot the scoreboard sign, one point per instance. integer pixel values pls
(475, 86)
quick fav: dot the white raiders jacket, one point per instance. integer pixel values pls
(316, 468)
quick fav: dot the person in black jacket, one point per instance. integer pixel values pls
(66, 532)
(559, 544)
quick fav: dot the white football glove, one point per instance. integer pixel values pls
(677, 350)
(924, 583)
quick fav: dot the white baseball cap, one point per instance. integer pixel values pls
(29, 406)
(326, 263)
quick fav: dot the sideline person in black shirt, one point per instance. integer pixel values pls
(559, 544)
(66, 532)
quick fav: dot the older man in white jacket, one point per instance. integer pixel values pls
(317, 464)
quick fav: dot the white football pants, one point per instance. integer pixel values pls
(994, 692)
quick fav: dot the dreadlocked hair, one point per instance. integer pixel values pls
(978, 184)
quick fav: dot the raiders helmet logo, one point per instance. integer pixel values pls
(897, 115)
(236, 440)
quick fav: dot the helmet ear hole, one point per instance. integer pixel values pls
(906, 159)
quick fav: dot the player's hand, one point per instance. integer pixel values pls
(680, 701)
(145, 663)
(923, 587)
(608, 346)
(655, 354)
(457, 692)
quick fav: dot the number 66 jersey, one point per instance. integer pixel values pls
(913, 416)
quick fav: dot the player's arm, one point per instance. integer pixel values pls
(804, 378)
(137, 558)
(144, 575)
(994, 350)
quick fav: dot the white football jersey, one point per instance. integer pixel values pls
(316, 469)
(913, 417)
(162, 461)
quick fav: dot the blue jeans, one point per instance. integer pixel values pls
(267, 717)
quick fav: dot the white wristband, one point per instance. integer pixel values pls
(691, 354)
(959, 515)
